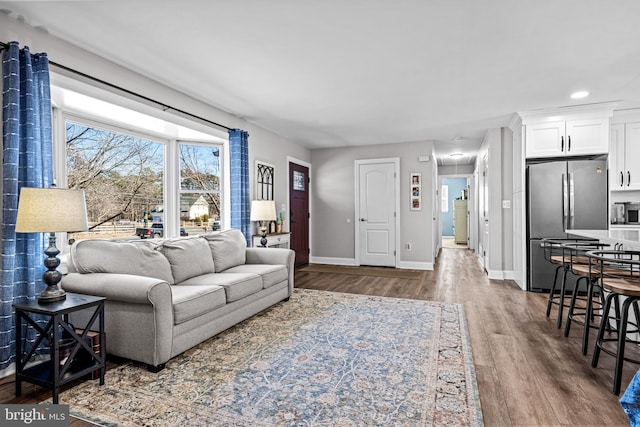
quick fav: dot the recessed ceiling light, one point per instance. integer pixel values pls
(457, 139)
(456, 155)
(580, 94)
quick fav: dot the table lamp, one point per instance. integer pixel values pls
(263, 211)
(51, 210)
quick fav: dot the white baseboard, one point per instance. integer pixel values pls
(352, 262)
(501, 275)
(411, 265)
(333, 261)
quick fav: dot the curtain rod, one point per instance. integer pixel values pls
(164, 106)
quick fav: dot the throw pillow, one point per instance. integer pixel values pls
(188, 258)
(228, 248)
(106, 256)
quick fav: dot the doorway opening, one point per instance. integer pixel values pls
(454, 216)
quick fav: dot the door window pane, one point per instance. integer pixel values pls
(298, 181)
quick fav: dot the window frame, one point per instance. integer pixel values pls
(221, 186)
(171, 162)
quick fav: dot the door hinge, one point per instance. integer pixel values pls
(394, 253)
(394, 214)
(308, 251)
(308, 214)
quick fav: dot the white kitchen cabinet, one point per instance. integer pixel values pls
(567, 138)
(624, 167)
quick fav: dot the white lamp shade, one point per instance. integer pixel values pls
(263, 210)
(50, 210)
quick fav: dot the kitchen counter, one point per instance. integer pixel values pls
(630, 238)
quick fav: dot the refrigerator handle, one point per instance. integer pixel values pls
(571, 202)
(565, 203)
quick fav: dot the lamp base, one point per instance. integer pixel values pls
(52, 294)
(51, 277)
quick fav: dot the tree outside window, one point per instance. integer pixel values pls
(200, 187)
(122, 176)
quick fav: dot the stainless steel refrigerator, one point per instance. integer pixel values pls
(562, 195)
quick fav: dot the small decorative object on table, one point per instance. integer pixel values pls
(51, 210)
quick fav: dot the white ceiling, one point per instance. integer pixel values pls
(351, 72)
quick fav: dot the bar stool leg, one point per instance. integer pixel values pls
(553, 290)
(622, 341)
(589, 317)
(605, 313)
(572, 304)
(561, 302)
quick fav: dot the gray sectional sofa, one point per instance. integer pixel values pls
(166, 295)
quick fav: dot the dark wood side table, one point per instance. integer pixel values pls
(80, 357)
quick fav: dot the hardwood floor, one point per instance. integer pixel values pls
(528, 373)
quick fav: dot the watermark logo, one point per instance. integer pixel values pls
(34, 415)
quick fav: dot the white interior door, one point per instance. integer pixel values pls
(376, 222)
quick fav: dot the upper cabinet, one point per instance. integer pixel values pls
(624, 167)
(570, 131)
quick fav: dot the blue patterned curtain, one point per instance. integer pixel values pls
(27, 162)
(240, 198)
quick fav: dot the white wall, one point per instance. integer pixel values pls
(333, 200)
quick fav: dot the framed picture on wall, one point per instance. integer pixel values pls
(264, 180)
(416, 191)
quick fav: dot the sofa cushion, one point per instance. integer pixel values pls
(129, 257)
(228, 248)
(190, 302)
(271, 274)
(236, 285)
(187, 257)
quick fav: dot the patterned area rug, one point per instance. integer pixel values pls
(320, 359)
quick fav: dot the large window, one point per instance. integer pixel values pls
(141, 168)
(126, 177)
(122, 176)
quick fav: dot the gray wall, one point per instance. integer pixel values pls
(498, 145)
(333, 201)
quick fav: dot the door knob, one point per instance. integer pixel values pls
(363, 219)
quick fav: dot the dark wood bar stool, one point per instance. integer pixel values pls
(593, 301)
(620, 277)
(555, 254)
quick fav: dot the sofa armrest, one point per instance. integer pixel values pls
(277, 256)
(120, 287)
(138, 313)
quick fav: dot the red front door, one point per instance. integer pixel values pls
(299, 215)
